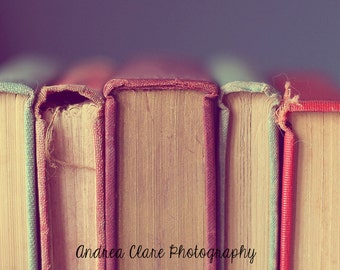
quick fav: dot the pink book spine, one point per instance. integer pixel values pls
(209, 133)
(42, 195)
(111, 197)
(286, 201)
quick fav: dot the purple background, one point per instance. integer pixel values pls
(271, 34)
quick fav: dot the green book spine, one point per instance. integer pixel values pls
(23, 77)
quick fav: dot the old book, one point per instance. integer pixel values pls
(160, 167)
(226, 69)
(19, 241)
(249, 171)
(310, 118)
(70, 159)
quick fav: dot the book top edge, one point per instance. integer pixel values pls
(249, 86)
(66, 94)
(315, 106)
(84, 90)
(114, 85)
(16, 88)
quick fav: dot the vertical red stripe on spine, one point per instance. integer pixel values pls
(287, 200)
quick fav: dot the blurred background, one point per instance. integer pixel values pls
(271, 35)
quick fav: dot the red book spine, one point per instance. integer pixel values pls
(286, 200)
(288, 106)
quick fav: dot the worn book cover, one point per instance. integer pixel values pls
(19, 80)
(70, 159)
(249, 175)
(309, 115)
(160, 167)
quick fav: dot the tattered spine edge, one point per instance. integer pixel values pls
(30, 169)
(270, 92)
(41, 129)
(292, 104)
(211, 93)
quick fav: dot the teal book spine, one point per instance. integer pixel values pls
(246, 127)
(31, 194)
(23, 77)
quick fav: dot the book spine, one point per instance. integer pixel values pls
(42, 195)
(222, 153)
(286, 200)
(111, 197)
(31, 189)
(274, 192)
(100, 182)
(210, 161)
